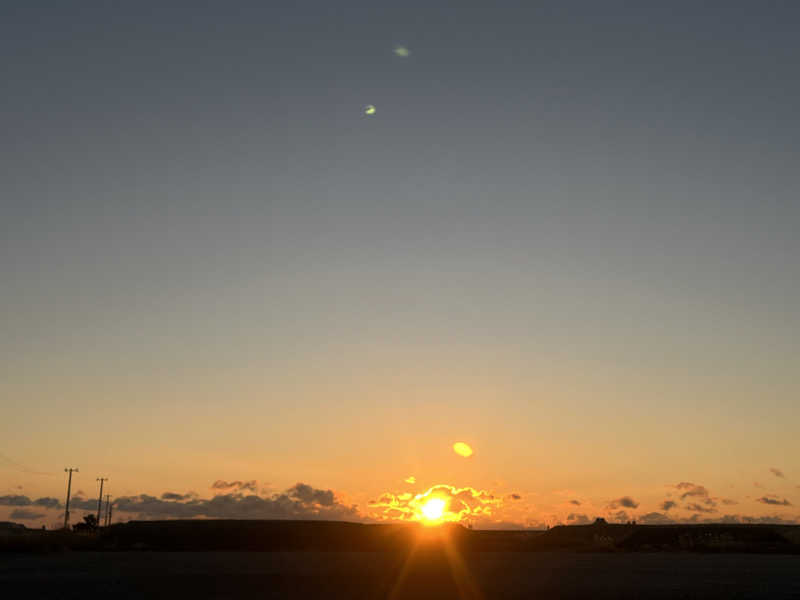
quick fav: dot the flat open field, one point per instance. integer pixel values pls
(429, 574)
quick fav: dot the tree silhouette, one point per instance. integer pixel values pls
(89, 524)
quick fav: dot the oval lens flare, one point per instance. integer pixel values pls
(462, 449)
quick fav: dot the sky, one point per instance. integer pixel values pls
(566, 236)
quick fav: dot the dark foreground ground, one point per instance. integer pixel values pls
(429, 573)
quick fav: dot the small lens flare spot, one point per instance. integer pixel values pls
(402, 51)
(370, 109)
(462, 449)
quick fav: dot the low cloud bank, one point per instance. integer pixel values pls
(301, 501)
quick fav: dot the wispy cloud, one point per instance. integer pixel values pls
(624, 501)
(231, 487)
(777, 472)
(773, 500)
(578, 519)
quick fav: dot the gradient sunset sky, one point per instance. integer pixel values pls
(568, 236)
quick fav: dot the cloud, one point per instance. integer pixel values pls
(578, 519)
(777, 472)
(301, 501)
(691, 490)
(178, 497)
(668, 504)
(575, 502)
(728, 501)
(80, 503)
(770, 520)
(695, 492)
(462, 503)
(231, 487)
(655, 518)
(774, 501)
(305, 493)
(410, 479)
(15, 500)
(23, 514)
(699, 508)
(625, 501)
(515, 496)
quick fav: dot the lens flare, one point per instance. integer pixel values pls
(462, 449)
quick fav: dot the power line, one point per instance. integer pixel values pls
(69, 490)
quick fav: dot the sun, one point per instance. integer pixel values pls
(433, 510)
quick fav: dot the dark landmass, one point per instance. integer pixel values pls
(335, 536)
(304, 559)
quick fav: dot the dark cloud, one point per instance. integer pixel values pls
(655, 518)
(624, 501)
(25, 501)
(774, 501)
(777, 472)
(15, 500)
(575, 502)
(230, 487)
(578, 519)
(81, 503)
(699, 508)
(728, 501)
(299, 502)
(174, 496)
(668, 504)
(515, 496)
(703, 502)
(687, 490)
(23, 514)
(305, 493)
(47, 502)
(773, 520)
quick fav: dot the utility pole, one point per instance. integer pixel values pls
(108, 511)
(69, 490)
(100, 498)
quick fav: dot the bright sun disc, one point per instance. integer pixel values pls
(433, 509)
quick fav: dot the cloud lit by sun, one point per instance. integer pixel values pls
(438, 504)
(410, 479)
